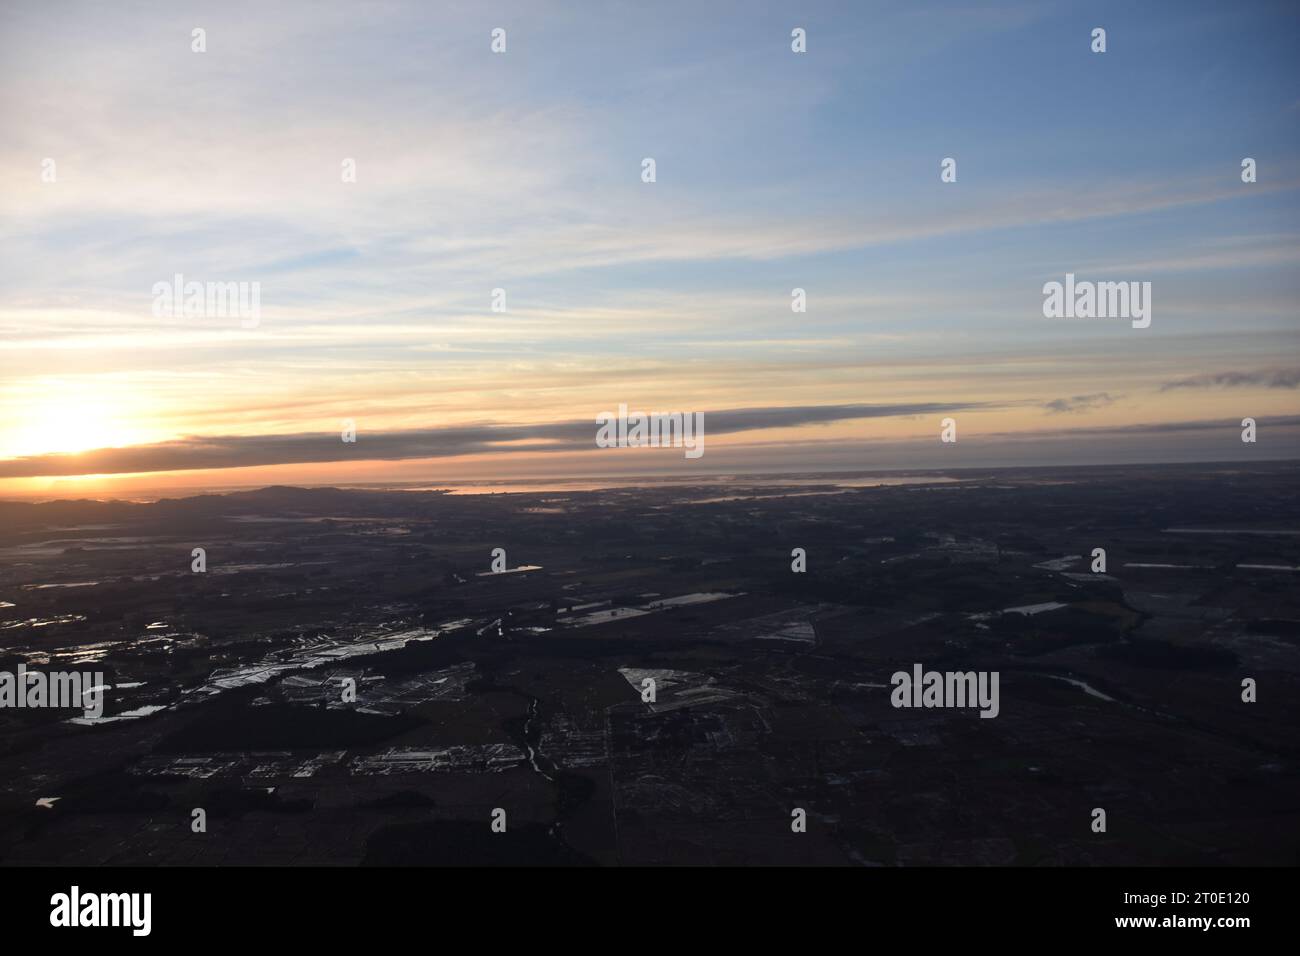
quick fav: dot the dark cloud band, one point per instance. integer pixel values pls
(189, 454)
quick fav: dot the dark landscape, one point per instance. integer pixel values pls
(478, 690)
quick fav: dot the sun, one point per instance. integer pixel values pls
(65, 426)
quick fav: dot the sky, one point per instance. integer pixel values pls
(522, 171)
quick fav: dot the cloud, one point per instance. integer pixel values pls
(1263, 378)
(244, 451)
(1231, 425)
(1080, 403)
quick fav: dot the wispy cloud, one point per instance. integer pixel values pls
(1079, 403)
(1262, 378)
